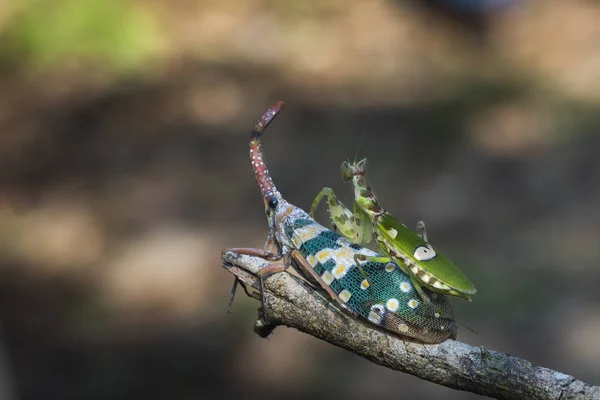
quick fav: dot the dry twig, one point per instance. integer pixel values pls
(291, 302)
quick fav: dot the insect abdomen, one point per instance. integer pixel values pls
(385, 297)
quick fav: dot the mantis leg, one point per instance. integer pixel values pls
(355, 226)
(380, 259)
(422, 231)
(363, 226)
(341, 217)
(358, 258)
(418, 288)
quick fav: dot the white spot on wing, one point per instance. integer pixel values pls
(297, 241)
(310, 231)
(339, 271)
(424, 253)
(312, 260)
(324, 255)
(345, 295)
(392, 305)
(327, 278)
(405, 287)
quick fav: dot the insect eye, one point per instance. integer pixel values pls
(273, 202)
(424, 253)
(346, 172)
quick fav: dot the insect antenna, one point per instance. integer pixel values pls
(362, 140)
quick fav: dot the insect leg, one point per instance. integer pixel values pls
(237, 282)
(418, 288)
(362, 226)
(440, 312)
(357, 260)
(307, 269)
(340, 215)
(380, 259)
(249, 251)
(422, 231)
(263, 274)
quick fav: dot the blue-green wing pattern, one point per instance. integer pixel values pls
(386, 297)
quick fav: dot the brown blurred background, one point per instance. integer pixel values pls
(124, 172)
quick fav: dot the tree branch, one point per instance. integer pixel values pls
(291, 302)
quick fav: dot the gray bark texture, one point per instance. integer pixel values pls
(291, 302)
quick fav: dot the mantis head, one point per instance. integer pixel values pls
(351, 170)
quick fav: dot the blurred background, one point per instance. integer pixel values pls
(124, 172)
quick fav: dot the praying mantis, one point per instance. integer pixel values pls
(411, 251)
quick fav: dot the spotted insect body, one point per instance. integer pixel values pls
(380, 293)
(386, 297)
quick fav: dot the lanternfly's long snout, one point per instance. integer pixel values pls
(265, 183)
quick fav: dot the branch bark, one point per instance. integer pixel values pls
(291, 302)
